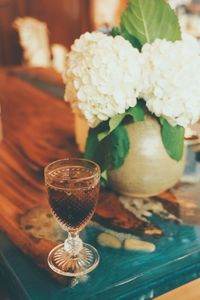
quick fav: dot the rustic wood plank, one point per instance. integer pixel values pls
(31, 139)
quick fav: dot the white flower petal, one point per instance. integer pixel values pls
(171, 80)
(103, 76)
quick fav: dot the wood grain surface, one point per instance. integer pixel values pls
(31, 140)
(190, 291)
(37, 129)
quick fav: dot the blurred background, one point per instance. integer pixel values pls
(65, 20)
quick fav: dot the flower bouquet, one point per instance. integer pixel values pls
(145, 73)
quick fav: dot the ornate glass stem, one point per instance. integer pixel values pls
(73, 244)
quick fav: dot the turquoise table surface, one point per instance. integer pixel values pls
(123, 274)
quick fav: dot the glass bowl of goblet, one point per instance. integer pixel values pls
(73, 190)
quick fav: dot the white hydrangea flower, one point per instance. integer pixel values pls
(103, 76)
(175, 3)
(171, 80)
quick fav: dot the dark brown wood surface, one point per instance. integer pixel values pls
(37, 129)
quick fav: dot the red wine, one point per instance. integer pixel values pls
(73, 194)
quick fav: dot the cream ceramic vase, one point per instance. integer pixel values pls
(148, 170)
(81, 131)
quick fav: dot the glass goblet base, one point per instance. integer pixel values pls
(61, 262)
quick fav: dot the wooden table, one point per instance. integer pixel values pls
(37, 130)
(38, 127)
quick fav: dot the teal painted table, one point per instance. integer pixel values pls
(172, 226)
(120, 275)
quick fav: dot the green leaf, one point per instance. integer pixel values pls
(127, 36)
(148, 20)
(136, 112)
(111, 151)
(120, 146)
(115, 31)
(95, 150)
(173, 139)
(132, 39)
(91, 143)
(113, 123)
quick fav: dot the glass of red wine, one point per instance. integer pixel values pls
(73, 191)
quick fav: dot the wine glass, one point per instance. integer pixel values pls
(73, 190)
